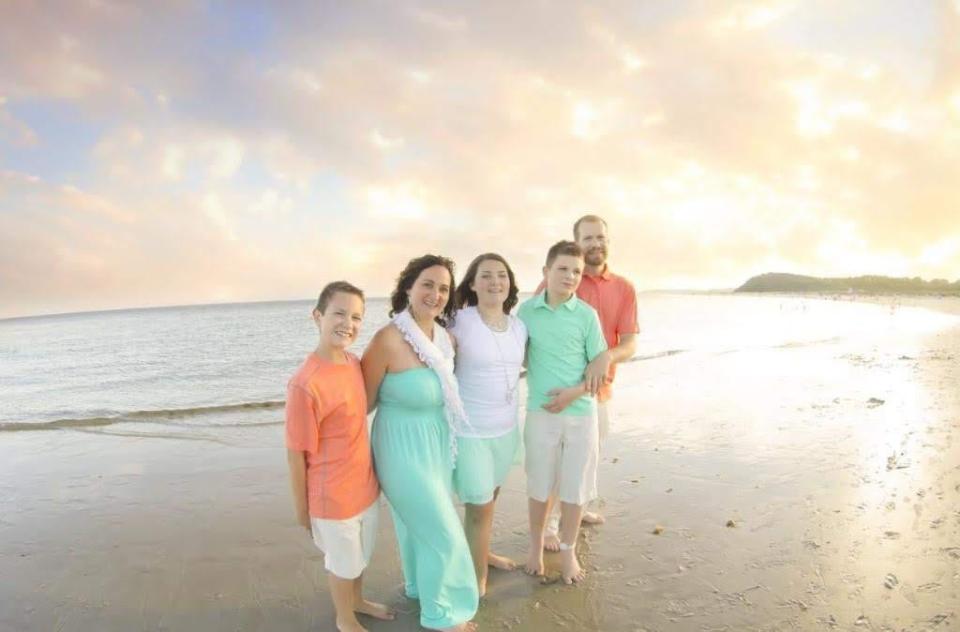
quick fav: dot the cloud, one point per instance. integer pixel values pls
(439, 21)
(156, 155)
(71, 249)
(14, 131)
(754, 15)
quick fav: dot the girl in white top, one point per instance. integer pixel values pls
(490, 348)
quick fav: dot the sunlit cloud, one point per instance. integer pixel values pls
(897, 122)
(383, 142)
(941, 252)
(438, 20)
(755, 15)
(818, 115)
(851, 153)
(300, 79)
(585, 119)
(955, 103)
(272, 204)
(404, 201)
(632, 61)
(847, 252)
(225, 156)
(419, 75)
(213, 208)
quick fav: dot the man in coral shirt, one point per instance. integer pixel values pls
(615, 300)
(616, 303)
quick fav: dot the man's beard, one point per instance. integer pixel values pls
(596, 257)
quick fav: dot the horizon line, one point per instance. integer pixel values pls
(109, 310)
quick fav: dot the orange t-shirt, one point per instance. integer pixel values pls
(327, 418)
(616, 303)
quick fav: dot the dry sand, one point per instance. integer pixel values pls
(800, 488)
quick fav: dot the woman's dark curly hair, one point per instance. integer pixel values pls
(399, 299)
(466, 296)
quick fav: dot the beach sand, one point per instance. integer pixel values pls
(798, 487)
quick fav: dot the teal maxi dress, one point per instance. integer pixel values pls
(411, 451)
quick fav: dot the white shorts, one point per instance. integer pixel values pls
(561, 454)
(603, 419)
(347, 545)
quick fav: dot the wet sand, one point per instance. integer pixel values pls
(804, 487)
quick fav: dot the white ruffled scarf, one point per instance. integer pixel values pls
(438, 354)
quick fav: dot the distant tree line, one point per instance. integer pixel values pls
(779, 282)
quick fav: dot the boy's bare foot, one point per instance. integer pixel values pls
(501, 562)
(482, 588)
(570, 569)
(551, 542)
(350, 626)
(375, 610)
(592, 517)
(534, 565)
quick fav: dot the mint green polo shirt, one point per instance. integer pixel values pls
(561, 343)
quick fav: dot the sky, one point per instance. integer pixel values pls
(196, 152)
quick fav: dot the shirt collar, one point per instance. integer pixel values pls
(606, 275)
(541, 298)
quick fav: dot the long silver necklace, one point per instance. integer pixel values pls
(511, 391)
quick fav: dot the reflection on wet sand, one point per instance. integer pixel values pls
(806, 487)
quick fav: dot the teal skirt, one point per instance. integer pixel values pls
(483, 465)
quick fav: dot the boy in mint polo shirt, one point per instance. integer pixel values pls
(561, 433)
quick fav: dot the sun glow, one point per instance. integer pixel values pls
(585, 117)
(955, 103)
(403, 201)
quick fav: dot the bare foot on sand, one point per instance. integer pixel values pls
(570, 569)
(551, 542)
(350, 626)
(375, 610)
(534, 565)
(501, 562)
(592, 518)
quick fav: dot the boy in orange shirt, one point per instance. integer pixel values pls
(335, 491)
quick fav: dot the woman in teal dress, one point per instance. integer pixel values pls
(408, 369)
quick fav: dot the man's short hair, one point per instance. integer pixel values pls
(586, 218)
(563, 248)
(332, 288)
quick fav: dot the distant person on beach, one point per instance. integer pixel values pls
(615, 300)
(561, 434)
(409, 373)
(335, 491)
(490, 349)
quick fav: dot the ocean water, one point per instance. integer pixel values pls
(215, 365)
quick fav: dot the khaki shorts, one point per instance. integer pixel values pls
(603, 419)
(347, 545)
(561, 454)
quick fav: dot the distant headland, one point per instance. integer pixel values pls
(779, 282)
